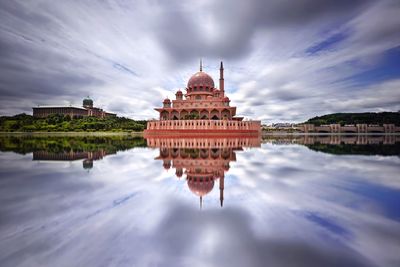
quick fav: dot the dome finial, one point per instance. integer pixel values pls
(201, 64)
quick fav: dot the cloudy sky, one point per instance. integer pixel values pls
(284, 60)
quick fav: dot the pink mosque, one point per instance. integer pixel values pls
(202, 109)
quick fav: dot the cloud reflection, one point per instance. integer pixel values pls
(284, 205)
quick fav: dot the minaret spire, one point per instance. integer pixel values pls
(201, 64)
(221, 79)
(201, 202)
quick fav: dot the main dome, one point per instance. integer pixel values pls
(200, 79)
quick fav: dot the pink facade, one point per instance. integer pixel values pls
(202, 109)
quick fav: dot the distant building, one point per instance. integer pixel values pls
(349, 128)
(87, 109)
(284, 125)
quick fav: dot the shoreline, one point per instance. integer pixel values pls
(73, 133)
(278, 133)
(322, 134)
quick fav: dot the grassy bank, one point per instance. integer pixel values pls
(60, 123)
(355, 118)
(44, 134)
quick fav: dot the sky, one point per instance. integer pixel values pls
(285, 61)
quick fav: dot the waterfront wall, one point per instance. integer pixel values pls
(209, 126)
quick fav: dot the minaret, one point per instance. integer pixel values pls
(201, 65)
(201, 202)
(221, 190)
(221, 79)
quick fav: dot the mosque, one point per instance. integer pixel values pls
(202, 109)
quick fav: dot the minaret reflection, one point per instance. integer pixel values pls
(204, 161)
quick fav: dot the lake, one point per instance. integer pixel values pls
(318, 200)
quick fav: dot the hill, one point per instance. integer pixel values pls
(354, 118)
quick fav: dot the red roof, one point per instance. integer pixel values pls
(200, 79)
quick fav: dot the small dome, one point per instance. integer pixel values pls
(87, 102)
(226, 99)
(179, 92)
(167, 100)
(200, 79)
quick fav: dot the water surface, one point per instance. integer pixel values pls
(127, 201)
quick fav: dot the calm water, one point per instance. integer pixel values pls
(124, 201)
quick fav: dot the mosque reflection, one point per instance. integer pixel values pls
(202, 162)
